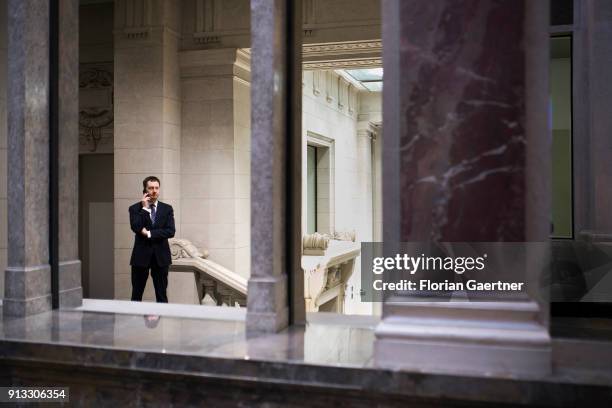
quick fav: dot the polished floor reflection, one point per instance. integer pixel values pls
(327, 339)
(114, 351)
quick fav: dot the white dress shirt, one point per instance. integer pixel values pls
(149, 211)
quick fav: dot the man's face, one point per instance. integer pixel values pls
(153, 190)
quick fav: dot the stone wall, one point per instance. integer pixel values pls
(147, 119)
(215, 154)
(96, 68)
(226, 23)
(331, 111)
(96, 86)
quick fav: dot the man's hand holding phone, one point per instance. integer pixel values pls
(145, 200)
(145, 204)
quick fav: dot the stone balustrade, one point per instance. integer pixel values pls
(326, 275)
(223, 286)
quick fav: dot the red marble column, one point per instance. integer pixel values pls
(467, 159)
(463, 144)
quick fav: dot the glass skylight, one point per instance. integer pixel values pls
(373, 86)
(369, 78)
(371, 74)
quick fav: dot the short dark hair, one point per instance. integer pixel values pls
(150, 178)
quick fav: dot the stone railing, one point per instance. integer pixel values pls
(224, 286)
(326, 274)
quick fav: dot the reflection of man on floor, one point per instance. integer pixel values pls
(153, 223)
(151, 321)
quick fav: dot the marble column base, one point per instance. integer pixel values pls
(267, 309)
(492, 338)
(27, 290)
(71, 292)
(71, 298)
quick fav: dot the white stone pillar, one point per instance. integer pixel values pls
(215, 154)
(147, 117)
(364, 198)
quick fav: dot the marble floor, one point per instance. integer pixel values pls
(327, 339)
(138, 342)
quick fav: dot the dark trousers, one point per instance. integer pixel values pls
(160, 281)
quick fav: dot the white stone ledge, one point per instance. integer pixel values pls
(530, 335)
(163, 309)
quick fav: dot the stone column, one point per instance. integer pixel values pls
(215, 154)
(592, 92)
(276, 134)
(27, 281)
(591, 127)
(3, 130)
(369, 120)
(71, 292)
(466, 159)
(147, 117)
(366, 131)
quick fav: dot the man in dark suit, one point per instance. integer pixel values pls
(153, 223)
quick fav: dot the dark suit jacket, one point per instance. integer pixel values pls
(145, 247)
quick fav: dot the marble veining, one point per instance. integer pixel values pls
(463, 142)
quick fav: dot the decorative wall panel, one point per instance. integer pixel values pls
(96, 108)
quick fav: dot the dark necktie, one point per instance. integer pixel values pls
(153, 212)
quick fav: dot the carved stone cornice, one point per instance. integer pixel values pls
(355, 63)
(342, 48)
(342, 55)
